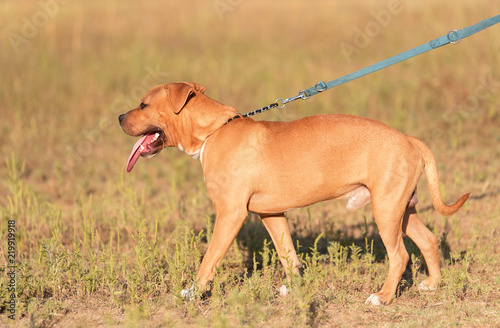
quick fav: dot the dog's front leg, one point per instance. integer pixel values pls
(227, 225)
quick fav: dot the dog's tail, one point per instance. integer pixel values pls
(433, 180)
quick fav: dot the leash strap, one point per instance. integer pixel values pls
(453, 36)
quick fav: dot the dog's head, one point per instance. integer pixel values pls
(173, 115)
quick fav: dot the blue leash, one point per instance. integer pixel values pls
(452, 36)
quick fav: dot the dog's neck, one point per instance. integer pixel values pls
(200, 126)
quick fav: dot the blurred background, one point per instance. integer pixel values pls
(70, 68)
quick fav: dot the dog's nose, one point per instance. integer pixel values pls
(121, 117)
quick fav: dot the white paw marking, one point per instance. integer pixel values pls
(284, 291)
(374, 300)
(421, 286)
(188, 294)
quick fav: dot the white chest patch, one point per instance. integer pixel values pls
(195, 154)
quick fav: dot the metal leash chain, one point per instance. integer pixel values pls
(257, 111)
(279, 103)
(452, 37)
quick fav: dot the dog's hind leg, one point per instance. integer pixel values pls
(388, 212)
(277, 226)
(428, 245)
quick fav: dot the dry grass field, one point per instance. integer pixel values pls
(95, 246)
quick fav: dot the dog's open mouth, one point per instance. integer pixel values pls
(147, 146)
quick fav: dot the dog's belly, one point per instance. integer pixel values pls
(279, 203)
(282, 194)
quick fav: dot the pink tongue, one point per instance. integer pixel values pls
(137, 151)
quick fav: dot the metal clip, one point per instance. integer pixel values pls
(302, 95)
(282, 102)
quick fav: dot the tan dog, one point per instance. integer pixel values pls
(271, 167)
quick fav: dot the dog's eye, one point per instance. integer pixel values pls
(143, 105)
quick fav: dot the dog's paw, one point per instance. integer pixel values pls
(284, 291)
(188, 294)
(422, 286)
(374, 299)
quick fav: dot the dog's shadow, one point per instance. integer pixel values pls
(251, 239)
(364, 231)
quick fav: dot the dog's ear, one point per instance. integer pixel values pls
(180, 93)
(198, 87)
